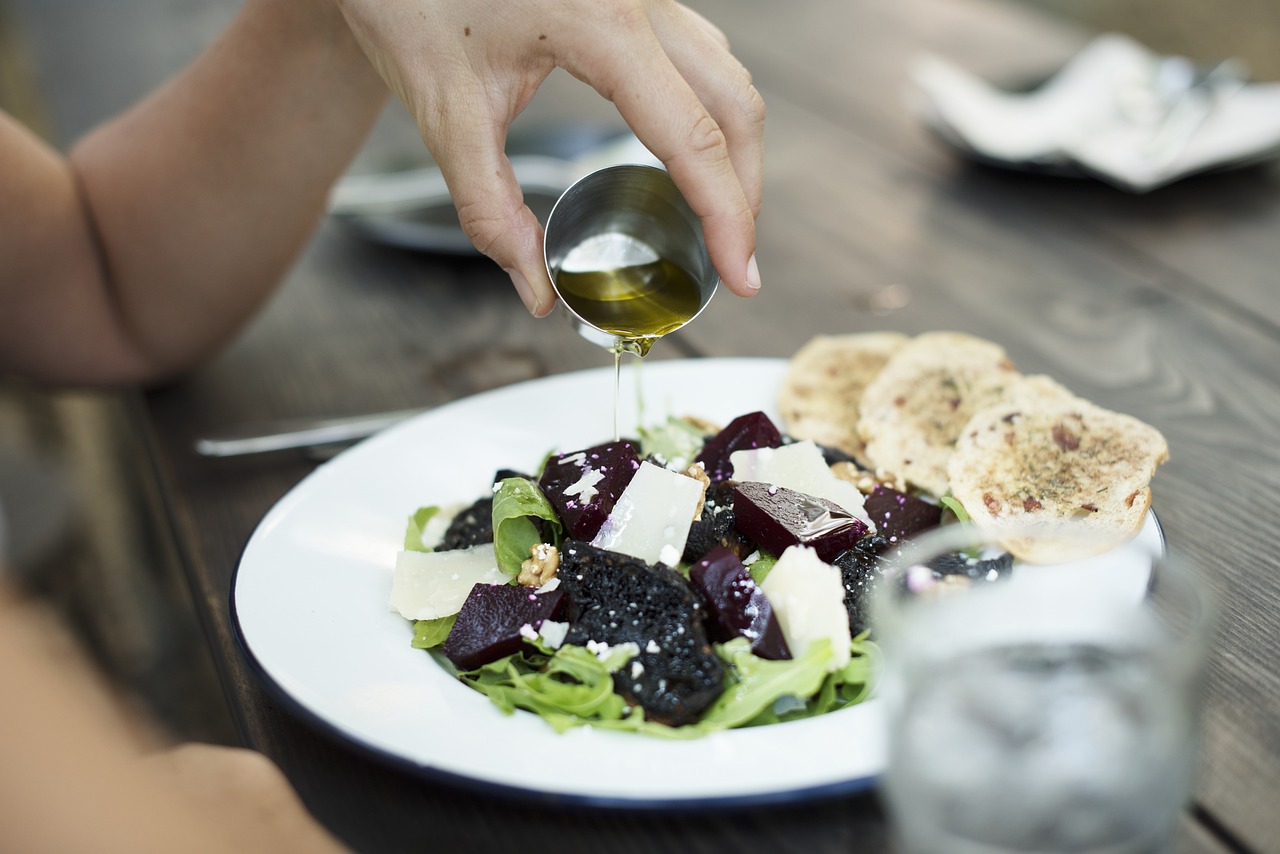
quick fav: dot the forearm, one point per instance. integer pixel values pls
(193, 204)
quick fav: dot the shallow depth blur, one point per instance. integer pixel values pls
(113, 578)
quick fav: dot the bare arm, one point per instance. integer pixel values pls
(162, 232)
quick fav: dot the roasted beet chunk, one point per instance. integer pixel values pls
(753, 430)
(471, 527)
(583, 486)
(715, 526)
(491, 621)
(900, 516)
(615, 599)
(738, 606)
(776, 517)
(860, 571)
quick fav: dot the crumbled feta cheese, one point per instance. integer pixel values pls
(585, 489)
(553, 632)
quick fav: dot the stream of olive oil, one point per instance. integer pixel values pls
(637, 304)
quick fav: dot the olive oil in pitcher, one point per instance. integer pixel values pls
(627, 258)
(638, 304)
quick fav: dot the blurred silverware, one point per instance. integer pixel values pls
(299, 433)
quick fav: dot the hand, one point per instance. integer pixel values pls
(244, 795)
(467, 69)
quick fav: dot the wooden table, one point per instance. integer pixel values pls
(1164, 306)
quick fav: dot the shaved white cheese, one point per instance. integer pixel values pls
(428, 585)
(808, 599)
(799, 466)
(651, 518)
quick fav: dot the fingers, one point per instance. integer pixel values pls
(468, 144)
(700, 51)
(667, 69)
(703, 143)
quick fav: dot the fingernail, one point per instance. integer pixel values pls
(753, 274)
(525, 290)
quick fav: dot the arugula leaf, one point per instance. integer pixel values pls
(755, 683)
(517, 502)
(676, 442)
(431, 633)
(761, 566)
(957, 509)
(572, 687)
(417, 524)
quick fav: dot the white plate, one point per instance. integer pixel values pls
(310, 604)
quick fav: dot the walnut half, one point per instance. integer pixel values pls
(544, 560)
(699, 473)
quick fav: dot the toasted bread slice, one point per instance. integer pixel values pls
(916, 407)
(822, 390)
(1049, 459)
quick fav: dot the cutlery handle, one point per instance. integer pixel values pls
(302, 433)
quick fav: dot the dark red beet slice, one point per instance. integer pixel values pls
(489, 624)
(899, 516)
(775, 517)
(737, 604)
(583, 486)
(753, 430)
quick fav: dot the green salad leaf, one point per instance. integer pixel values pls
(755, 684)
(517, 502)
(761, 566)
(413, 541)
(428, 634)
(950, 502)
(676, 441)
(573, 687)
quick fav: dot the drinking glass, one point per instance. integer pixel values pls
(1040, 708)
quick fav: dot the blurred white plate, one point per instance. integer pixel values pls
(412, 209)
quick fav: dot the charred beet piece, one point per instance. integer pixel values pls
(753, 430)
(490, 622)
(715, 526)
(975, 569)
(471, 527)
(860, 570)
(615, 599)
(777, 517)
(737, 604)
(900, 516)
(583, 486)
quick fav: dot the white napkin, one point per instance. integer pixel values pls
(1116, 111)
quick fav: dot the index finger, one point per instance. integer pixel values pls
(664, 112)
